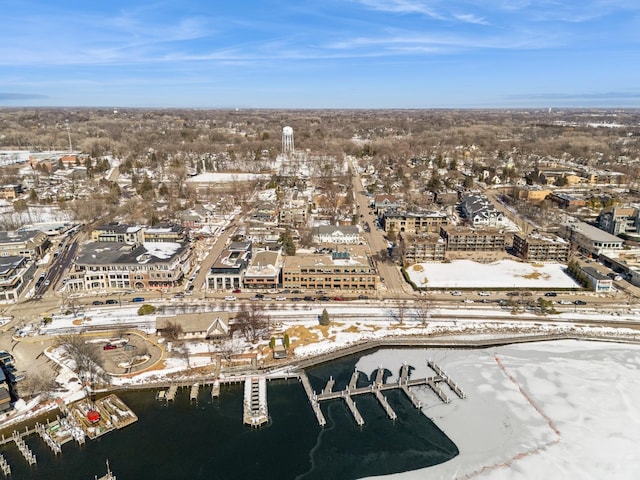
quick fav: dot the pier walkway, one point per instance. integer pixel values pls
(376, 388)
(313, 398)
(256, 413)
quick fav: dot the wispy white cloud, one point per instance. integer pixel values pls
(402, 7)
(471, 18)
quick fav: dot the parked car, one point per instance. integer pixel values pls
(309, 298)
(456, 293)
(564, 302)
(98, 302)
(339, 299)
(179, 295)
(259, 295)
(580, 302)
(484, 294)
(111, 301)
(108, 346)
(229, 298)
(137, 299)
(237, 290)
(281, 299)
(323, 298)
(363, 297)
(551, 294)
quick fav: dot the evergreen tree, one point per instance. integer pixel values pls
(325, 321)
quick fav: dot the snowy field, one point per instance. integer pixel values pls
(553, 410)
(501, 274)
(212, 177)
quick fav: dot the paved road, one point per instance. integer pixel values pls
(389, 272)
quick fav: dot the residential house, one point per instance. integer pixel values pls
(479, 211)
(339, 234)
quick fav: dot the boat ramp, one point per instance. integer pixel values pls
(376, 388)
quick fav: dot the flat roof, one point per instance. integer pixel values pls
(594, 233)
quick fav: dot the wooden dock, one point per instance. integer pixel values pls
(313, 398)
(171, 393)
(378, 386)
(193, 394)
(215, 389)
(4, 466)
(255, 408)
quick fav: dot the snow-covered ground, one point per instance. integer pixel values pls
(500, 274)
(554, 410)
(562, 409)
(212, 177)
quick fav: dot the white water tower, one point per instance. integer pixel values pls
(287, 140)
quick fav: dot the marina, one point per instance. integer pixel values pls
(376, 388)
(82, 419)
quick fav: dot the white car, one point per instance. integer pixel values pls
(456, 293)
(230, 298)
(484, 294)
(564, 302)
(281, 299)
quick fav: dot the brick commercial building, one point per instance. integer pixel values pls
(350, 268)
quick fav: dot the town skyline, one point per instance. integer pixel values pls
(356, 54)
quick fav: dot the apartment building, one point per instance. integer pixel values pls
(465, 239)
(413, 222)
(427, 247)
(15, 274)
(31, 244)
(541, 248)
(113, 265)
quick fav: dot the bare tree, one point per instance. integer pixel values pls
(172, 330)
(87, 358)
(422, 309)
(251, 321)
(38, 384)
(401, 311)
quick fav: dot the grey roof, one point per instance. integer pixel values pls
(594, 233)
(108, 253)
(18, 236)
(9, 263)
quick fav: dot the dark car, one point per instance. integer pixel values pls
(137, 299)
(580, 302)
(259, 295)
(237, 290)
(324, 298)
(363, 297)
(108, 346)
(111, 301)
(309, 299)
(551, 294)
(295, 299)
(98, 302)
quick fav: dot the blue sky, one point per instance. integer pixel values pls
(320, 54)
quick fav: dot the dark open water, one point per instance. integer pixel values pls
(209, 441)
